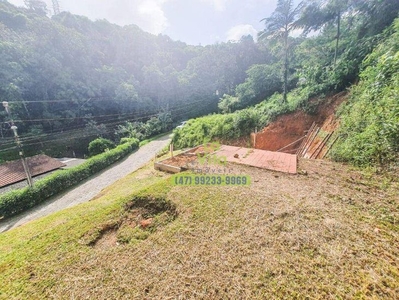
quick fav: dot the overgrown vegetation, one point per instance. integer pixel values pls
(369, 133)
(144, 130)
(224, 127)
(20, 200)
(99, 146)
(70, 74)
(94, 77)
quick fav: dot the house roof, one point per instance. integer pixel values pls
(13, 172)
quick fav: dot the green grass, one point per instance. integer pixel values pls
(54, 241)
(283, 237)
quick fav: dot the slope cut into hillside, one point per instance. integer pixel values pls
(288, 132)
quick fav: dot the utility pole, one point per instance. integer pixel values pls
(19, 145)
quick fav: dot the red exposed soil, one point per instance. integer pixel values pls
(288, 129)
(240, 142)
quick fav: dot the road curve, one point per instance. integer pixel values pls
(90, 188)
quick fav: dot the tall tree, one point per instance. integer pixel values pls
(317, 14)
(279, 26)
(37, 5)
(377, 15)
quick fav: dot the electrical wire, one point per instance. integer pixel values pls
(118, 122)
(171, 110)
(72, 138)
(89, 117)
(76, 101)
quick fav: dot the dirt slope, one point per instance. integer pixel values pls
(291, 127)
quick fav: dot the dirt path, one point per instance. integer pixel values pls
(90, 188)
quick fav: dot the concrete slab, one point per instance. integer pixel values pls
(276, 161)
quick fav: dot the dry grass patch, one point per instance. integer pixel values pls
(142, 216)
(314, 236)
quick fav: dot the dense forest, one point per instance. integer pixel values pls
(67, 73)
(355, 49)
(68, 79)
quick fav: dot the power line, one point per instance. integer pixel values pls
(95, 117)
(27, 139)
(113, 122)
(78, 128)
(102, 98)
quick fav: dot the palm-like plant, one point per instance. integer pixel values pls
(279, 26)
(318, 13)
(36, 5)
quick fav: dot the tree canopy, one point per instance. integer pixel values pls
(68, 78)
(66, 73)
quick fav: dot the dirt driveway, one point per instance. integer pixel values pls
(88, 189)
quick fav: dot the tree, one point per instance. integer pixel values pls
(227, 103)
(38, 6)
(279, 26)
(317, 14)
(377, 15)
(262, 82)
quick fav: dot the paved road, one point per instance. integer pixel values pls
(90, 188)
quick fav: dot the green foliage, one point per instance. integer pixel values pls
(131, 130)
(349, 31)
(18, 201)
(100, 145)
(222, 127)
(141, 131)
(227, 103)
(369, 133)
(12, 20)
(279, 26)
(127, 141)
(106, 78)
(37, 6)
(100, 75)
(262, 82)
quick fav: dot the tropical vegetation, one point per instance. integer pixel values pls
(69, 80)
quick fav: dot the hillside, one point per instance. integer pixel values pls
(68, 79)
(287, 130)
(329, 234)
(363, 118)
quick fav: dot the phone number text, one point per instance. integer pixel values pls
(232, 180)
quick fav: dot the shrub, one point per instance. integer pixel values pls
(99, 146)
(238, 124)
(369, 132)
(127, 141)
(18, 201)
(156, 125)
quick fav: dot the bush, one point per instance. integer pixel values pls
(139, 130)
(127, 141)
(100, 145)
(238, 124)
(369, 132)
(18, 201)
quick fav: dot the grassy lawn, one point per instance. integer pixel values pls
(330, 234)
